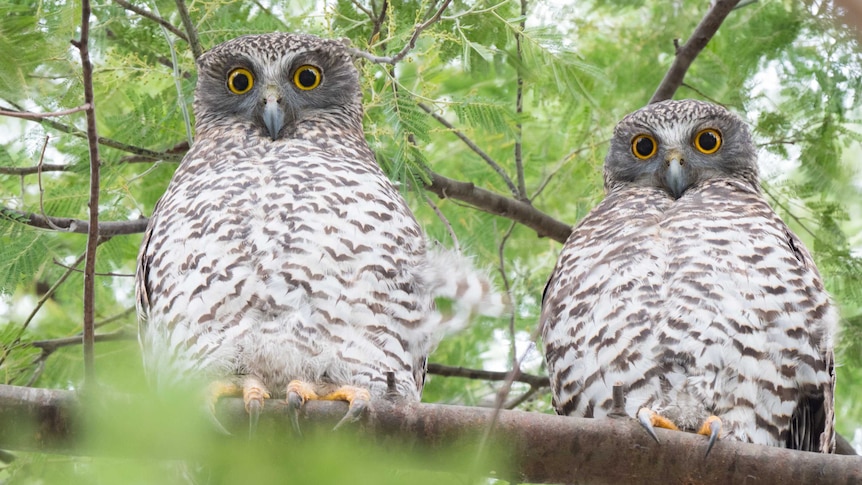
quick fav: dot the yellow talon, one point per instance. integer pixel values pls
(650, 419)
(298, 392)
(711, 428)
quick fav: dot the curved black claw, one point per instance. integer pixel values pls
(294, 402)
(645, 419)
(714, 431)
(253, 407)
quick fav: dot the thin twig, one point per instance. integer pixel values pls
(27, 115)
(445, 222)
(410, 44)
(52, 345)
(48, 348)
(45, 167)
(562, 163)
(117, 275)
(486, 375)
(103, 141)
(93, 230)
(478, 151)
(504, 390)
(532, 391)
(191, 32)
(177, 82)
(519, 108)
(154, 17)
(364, 10)
(701, 93)
(42, 190)
(48, 295)
(688, 52)
(501, 249)
(787, 210)
(114, 318)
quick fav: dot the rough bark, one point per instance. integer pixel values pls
(516, 210)
(536, 448)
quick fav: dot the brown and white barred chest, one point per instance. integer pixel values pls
(703, 305)
(285, 261)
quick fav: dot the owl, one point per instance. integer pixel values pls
(684, 286)
(281, 261)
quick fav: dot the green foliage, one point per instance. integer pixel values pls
(793, 74)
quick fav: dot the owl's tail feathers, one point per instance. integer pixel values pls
(460, 291)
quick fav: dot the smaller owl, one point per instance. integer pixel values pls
(686, 287)
(281, 261)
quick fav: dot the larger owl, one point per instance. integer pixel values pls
(684, 286)
(281, 260)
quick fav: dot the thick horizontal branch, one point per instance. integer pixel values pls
(533, 447)
(485, 200)
(686, 54)
(78, 226)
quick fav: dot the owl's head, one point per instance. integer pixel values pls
(675, 145)
(270, 83)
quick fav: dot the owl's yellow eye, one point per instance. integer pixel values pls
(240, 81)
(307, 77)
(707, 141)
(644, 146)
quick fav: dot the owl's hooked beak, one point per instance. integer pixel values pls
(675, 173)
(273, 114)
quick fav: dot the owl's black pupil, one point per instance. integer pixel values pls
(644, 147)
(307, 78)
(708, 141)
(240, 82)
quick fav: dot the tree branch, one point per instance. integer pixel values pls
(534, 447)
(38, 116)
(50, 346)
(78, 226)
(155, 18)
(519, 107)
(46, 167)
(484, 156)
(192, 33)
(108, 142)
(521, 212)
(486, 375)
(686, 54)
(93, 227)
(410, 44)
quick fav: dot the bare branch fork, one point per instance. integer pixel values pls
(478, 151)
(155, 18)
(534, 447)
(688, 52)
(410, 44)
